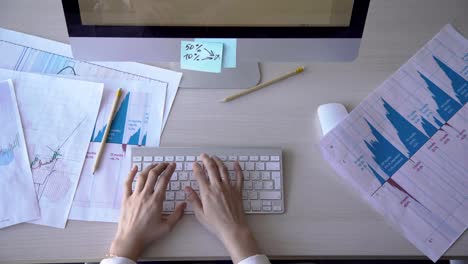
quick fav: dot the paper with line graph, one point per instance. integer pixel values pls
(137, 121)
(405, 147)
(18, 202)
(58, 117)
(23, 52)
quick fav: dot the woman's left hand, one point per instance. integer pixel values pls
(141, 220)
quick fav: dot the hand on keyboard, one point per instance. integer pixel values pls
(219, 207)
(141, 221)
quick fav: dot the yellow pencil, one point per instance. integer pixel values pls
(106, 132)
(262, 85)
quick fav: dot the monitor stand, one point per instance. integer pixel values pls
(245, 75)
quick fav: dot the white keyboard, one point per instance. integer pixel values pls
(262, 168)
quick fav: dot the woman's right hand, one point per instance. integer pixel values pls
(219, 207)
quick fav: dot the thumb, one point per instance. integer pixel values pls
(173, 218)
(195, 202)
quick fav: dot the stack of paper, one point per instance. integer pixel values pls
(57, 116)
(405, 147)
(57, 171)
(18, 202)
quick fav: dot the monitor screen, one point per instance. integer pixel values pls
(217, 13)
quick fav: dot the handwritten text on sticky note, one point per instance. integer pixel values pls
(229, 50)
(201, 56)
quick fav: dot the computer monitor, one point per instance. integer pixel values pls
(266, 30)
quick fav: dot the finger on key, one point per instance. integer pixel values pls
(153, 176)
(222, 170)
(165, 176)
(239, 176)
(142, 177)
(212, 168)
(129, 181)
(200, 176)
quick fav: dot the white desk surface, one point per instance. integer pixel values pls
(325, 218)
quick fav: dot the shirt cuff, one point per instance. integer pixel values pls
(117, 260)
(256, 259)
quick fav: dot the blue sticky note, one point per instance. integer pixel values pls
(201, 56)
(229, 50)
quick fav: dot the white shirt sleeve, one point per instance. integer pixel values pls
(117, 260)
(257, 259)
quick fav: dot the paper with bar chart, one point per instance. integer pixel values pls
(22, 52)
(137, 121)
(58, 116)
(18, 202)
(405, 147)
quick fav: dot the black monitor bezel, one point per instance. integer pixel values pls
(77, 29)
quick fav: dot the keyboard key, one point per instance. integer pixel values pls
(184, 184)
(188, 166)
(229, 165)
(175, 186)
(253, 158)
(256, 205)
(146, 164)
(247, 185)
(138, 165)
(264, 158)
(246, 175)
(266, 208)
(194, 185)
(158, 158)
(223, 158)
(274, 158)
(137, 158)
(265, 175)
(179, 158)
(180, 196)
(276, 177)
(257, 185)
(232, 158)
(190, 158)
(192, 176)
(170, 196)
(268, 185)
(168, 206)
(241, 165)
(246, 205)
(169, 158)
(250, 166)
(232, 175)
(255, 175)
(243, 158)
(179, 166)
(245, 195)
(277, 208)
(174, 176)
(266, 203)
(270, 195)
(183, 176)
(273, 166)
(253, 195)
(259, 166)
(148, 158)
